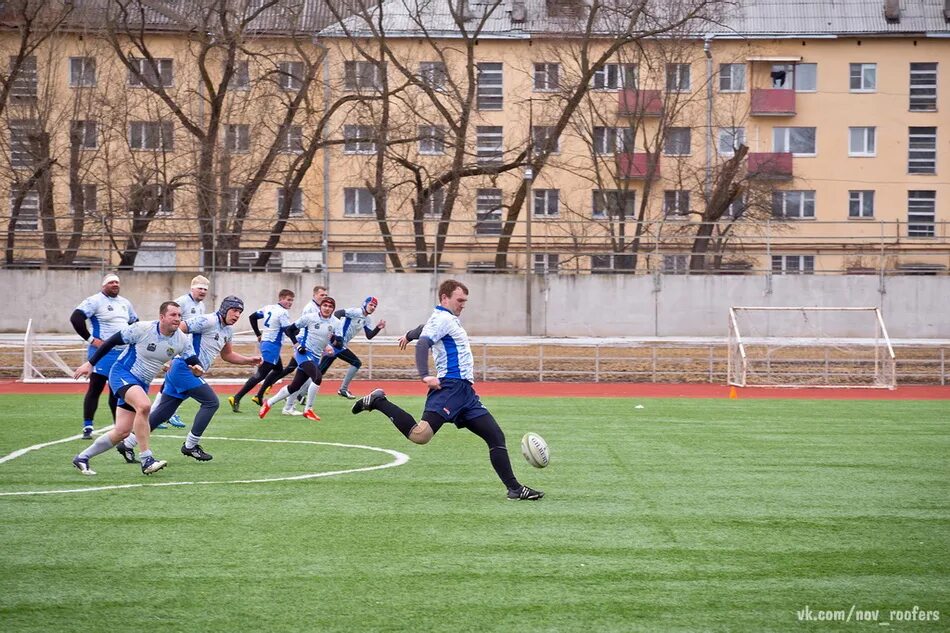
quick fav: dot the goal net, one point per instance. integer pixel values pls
(809, 347)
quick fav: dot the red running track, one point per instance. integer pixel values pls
(572, 390)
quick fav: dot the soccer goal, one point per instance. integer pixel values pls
(51, 360)
(809, 347)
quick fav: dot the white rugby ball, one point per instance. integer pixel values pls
(535, 450)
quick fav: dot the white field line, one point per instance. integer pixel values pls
(399, 460)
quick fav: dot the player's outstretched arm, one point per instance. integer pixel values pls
(411, 335)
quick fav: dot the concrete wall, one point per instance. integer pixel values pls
(568, 305)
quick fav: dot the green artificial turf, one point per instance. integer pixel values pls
(682, 515)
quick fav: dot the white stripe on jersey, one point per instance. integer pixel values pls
(450, 350)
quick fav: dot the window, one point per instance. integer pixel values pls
(676, 202)
(610, 140)
(613, 263)
(613, 204)
(154, 72)
(296, 203)
(28, 218)
(434, 204)
(23, 87)
(923, 87)
(154, 200)
(731, 77)
(677, 141)
(800, 141)
(364, 262)
(241, 80)
(490, 94)
(151, 135)
(863, 78)
(84, 134)
(730, 138)
(361, 76)
(737, 207)
(237, 137)
(544, 139)
(89, 201)
(82, 72)
(431, 139)
(793, 204)
(433, 75)
(861, 141)
(806, 77)
(860, 204)
(547, 77)
(358, 139)
(21, 145)
(545, 263)
(782, 76)
(677, 77)
(290, 139)
(922, 150)
(290, 75)
(489, 144)
(921, 213)
(546, 203)
(793, 264)
(675, 264)
(615, 77)
(488, 212)
(358, 201)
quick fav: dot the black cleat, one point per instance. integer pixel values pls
(524, 494)
(366, 402)
(197, 452)
(345, 393)
(127, 453)
(82, 463)
(87, 433)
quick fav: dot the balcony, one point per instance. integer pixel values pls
(640, 103)
(633, 165)
(773, 102)
(770, 165)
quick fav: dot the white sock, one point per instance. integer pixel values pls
(131, 441)
(311, 395)
(192, 440)
(101, 445)
(145, 454)
(158, 398)
(283, 393)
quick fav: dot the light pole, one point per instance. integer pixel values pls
(529, 208)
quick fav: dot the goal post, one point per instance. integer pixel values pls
(800, 346)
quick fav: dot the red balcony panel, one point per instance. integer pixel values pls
(641, 103)
(770, 165)
(633, 165)
(773, 102)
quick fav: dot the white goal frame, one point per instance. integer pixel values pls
(759, 359)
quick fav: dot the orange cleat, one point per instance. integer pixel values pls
(264, 409)
(310, 415)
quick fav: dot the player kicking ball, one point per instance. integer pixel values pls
(451, 397)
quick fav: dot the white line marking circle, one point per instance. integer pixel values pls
(400, 459)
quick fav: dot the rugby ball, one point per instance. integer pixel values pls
(535, 450)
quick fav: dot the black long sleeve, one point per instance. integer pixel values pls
(414, 333)
(291, 332)
(253, 319)
(78, 319)
(371, 333)
(106, 347)
(422, 356)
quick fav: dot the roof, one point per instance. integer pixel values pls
(739, 18)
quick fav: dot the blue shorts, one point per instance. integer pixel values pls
(120, 379)
(104, 366)
(270, 352)
(309, 357)
(456, 401)
(179, 380)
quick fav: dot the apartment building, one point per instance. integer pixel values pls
(791, 137)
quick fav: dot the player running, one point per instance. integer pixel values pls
(354, 320)
(274, 319)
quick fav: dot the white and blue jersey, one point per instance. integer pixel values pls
(107, 315)
(147, 350)
(208, 337)
(189, 307)
(272, 320)
(314, 335)
(450, 347)
(355, 320)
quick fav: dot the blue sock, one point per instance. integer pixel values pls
(86, 423)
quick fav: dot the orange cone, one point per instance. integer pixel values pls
(733, 395)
